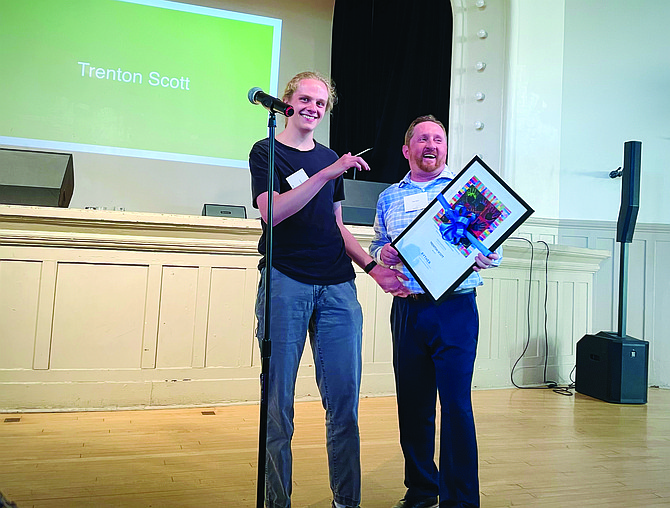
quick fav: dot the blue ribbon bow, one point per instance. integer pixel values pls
(457, 227)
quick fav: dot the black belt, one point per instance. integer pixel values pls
(425, 297)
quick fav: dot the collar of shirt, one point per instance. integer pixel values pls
(446, 173)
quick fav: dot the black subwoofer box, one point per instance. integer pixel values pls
(612, 368)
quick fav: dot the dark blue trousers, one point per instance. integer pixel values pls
(434, 348)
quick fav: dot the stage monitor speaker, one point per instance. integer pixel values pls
(36, 178)
(612, 368)
(360, 204)
(236, 211)
(630, 191)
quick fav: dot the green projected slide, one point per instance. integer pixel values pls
(142, 78)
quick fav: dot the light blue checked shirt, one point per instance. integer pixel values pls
(392, 219)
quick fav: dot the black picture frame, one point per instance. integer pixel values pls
(440, 245)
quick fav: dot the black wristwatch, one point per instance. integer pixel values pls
(368, 268)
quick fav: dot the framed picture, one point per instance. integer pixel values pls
(475, 213)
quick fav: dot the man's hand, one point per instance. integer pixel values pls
(341, 165)
(482, 262)
(390, 280)
(389, 255)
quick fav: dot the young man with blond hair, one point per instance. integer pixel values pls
(313, 291)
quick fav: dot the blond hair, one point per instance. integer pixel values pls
(292, 86)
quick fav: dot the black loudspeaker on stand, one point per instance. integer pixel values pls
(612, 366)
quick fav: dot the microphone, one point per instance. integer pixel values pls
(258, 96)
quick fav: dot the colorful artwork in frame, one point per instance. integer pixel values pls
(477, 205)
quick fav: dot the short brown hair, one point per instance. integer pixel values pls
(421, 119)
(292, 86)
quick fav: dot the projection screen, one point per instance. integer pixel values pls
(142, 78)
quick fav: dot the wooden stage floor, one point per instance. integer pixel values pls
(537, 448)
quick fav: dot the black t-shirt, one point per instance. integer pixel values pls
(308, 246)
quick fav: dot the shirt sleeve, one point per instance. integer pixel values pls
(258, 165)
(338, 192)
(498, 251)
(381, 237)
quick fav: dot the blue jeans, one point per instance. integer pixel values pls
(434, 349)
(333, 317)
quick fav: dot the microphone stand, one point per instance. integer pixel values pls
(266, 343)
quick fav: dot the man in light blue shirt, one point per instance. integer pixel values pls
(434, 345)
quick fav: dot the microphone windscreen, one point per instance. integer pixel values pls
(252, 94)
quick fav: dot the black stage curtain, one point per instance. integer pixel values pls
(391, 62)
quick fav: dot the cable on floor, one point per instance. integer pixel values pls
(548, 384)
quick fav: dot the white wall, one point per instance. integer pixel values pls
(581, 77)
(615, 83)
(534, 102)
(585, 76)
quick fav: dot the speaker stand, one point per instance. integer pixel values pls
(613, 366)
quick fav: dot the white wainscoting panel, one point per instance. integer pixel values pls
(106, 309)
